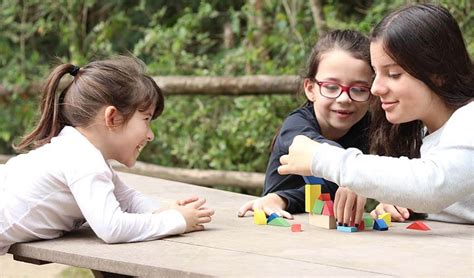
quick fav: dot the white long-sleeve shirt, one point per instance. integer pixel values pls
(440, 182)
(59, 186)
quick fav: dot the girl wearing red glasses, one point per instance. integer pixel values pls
(424, 81)
(337, 87)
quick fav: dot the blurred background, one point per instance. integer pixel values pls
(184, 38)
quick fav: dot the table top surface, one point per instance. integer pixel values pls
(232, 246)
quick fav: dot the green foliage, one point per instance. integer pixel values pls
(182, 37)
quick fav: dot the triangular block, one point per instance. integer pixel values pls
(272, 216)
(387, 217)
(380, 225)
(318, 207)
(281, 222)
(259, 217)
(418, 225)
(328, 208)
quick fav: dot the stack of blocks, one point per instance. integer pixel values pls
(260, 218)
(319, 206)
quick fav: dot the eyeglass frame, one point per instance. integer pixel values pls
(346, 89)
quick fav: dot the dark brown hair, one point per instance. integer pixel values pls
(425, 40)
(355, 43)
(118, 81)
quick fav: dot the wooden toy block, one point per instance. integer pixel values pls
(328, 208)
(312, 192)
(361, 226)
(380, 225)
(259, 217)
(279, 221)
(272, 216)
(322, 221)
(368, 222)
(387, 217)
(313, 180)
(318, 207)
(296, 228)
(347, 229)
(418, 225)
(325, 197)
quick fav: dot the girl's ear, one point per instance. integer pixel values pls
(112, 117)
(310, 89)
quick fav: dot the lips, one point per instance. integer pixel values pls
(388, 105)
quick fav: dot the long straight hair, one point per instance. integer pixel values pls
(425, 40)
(119, 82)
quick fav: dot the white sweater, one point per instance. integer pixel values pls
(440, 182)
(59, 186)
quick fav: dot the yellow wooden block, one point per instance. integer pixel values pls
(259, 217)
(323, 221)
(311, 194)
(387, 217)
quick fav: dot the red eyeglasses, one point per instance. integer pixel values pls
(333, 90)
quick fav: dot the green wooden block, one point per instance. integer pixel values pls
(368, 222)
(279, 222)
(318, 207)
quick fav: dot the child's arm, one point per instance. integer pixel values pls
(131, 200)
(95, 197)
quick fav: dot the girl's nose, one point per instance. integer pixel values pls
(150, 136)
(344, 97)
(377, 88)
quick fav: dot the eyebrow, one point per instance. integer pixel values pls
(390, 65)
(353, 82)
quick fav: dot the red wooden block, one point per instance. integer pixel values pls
(296, 228)
(328, 208)
(361, 226)
(325, 197)
(418, 225)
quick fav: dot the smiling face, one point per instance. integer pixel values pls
(337, 116)
(403, 97)
(131, 138)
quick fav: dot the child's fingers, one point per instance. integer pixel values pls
(285, 214)
(205, 219)
(336, 202)
(340, 208)
(269, 211)
(198, 203)
(187, 200)
(246, 207)
(394, 213)
(348, 207)
(359, 209)
(198, 227)
(404, 212)
(205, 212)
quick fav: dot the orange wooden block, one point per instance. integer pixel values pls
(296, 228)
(325, 197)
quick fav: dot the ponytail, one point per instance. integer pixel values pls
(50, 123)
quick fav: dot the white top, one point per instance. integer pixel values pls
(440, 183)
(59, 186)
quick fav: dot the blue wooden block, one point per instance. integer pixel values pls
(313, 180)
(347, 229)
(380, 225)
(271, 217)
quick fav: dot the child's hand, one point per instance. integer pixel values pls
(195, 214)
(298, 159)
(272, 203)
(185, 201)
(348, 207)
(399, 214)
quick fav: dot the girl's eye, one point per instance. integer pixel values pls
(331, 87)
(394, 75)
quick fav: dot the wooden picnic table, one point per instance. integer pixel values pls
(233, 246)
